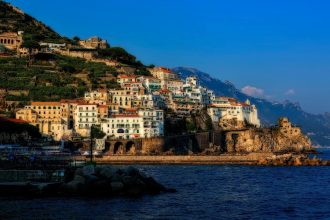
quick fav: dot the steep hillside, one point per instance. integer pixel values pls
(317, 126)
(13, 20)
(52, 77)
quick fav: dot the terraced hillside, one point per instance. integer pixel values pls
(52, 77)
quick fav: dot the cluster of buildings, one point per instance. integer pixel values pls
(136, 109)
(86, 48)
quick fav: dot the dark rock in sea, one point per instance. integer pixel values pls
(107, 180)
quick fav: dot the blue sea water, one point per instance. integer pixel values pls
(204, 192)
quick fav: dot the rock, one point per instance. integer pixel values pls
(102, 187)
(129, 181)
(88, 170)
(73, 186)
(116, 178)
(90, 179)
(79, 172)
(297, 161)
(101, 181)
(262, 162)
(143, 175)
(79, 178)
(153, 186)
(98, 170)
(131, 171)
(117, 186)
(107, 172)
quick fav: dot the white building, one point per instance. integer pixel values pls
(123, 126)
(151, 84)
(86, 115)
(197, 93)
(226, 108)
(153, 122)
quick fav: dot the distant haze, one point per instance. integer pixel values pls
(273, 49)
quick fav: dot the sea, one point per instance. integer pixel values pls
(203, 192)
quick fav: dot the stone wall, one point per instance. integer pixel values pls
(153, 145)
(88, 55)
(158, 145)
(282, 138)
(251, 158)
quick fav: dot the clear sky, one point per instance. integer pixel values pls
(277, 49)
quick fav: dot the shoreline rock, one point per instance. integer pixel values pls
(108, 181)
(292, 160)
(90, 181)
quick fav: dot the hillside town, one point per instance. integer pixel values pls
(136, 110)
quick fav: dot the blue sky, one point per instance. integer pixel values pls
(276, 49)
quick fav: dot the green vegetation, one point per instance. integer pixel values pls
(96, 132)
(119, 54)
(196, 122)
(52, 77)
(18, 128)
(13, 21)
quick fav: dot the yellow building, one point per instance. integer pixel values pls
(46, 116)
(12, 40)
(122, 98)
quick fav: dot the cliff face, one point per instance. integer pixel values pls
(282, 138)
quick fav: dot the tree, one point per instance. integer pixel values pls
(30, 45)
(76, 40)
(95, 133)
(118, 54)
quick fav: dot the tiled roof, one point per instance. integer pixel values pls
(46, 103)
(13, 120)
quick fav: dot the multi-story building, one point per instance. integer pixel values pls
(197, 93)
(126, 125)
(153, 122)
(175, 85)
(12, 40)
(226, 109)
(86, 115)
(126, 78)
(121, 97)
(68, 108)
(46, 116)
(151, 84)
(94, 43)
(99, 95)
(164, 74)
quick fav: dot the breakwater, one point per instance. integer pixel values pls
(251, 158)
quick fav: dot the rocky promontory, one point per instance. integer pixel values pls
(90, 180)
(108, 180)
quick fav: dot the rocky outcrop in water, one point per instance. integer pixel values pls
(292, 160)
(90, 180)
(108, 180)
(281, 138)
